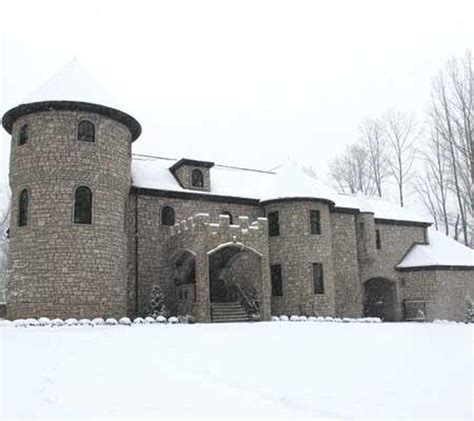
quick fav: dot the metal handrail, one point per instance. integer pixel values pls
(248, 301)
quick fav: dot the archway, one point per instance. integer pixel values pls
(234, 271)
(380, 299)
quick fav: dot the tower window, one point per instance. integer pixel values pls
(23, 136)
(378, 240)
(315, 221)
(23, 208)
(273, 224)
(318, 280)
(86, 132)
(277, 282)
(197, 178)
(167, 216)
(229, 215)
(83, 205)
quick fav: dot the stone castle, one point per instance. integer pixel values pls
(94, 229)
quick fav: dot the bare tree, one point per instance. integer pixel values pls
(350, 172)
(4, 223)
(400, 132)
(452, 116)
(374, 143)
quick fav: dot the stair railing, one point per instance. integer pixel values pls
(250, 305)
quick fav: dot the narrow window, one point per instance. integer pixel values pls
(86, 132)
(318, 280)
(361, 230)
(277, 284)
(167, 216)
(273, 224)
(229, 215)
(23, 138)
(378, 240)
(314, 219)
(23, 208)
(83, 205)
(197, 178)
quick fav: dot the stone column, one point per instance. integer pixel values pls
(203, 306)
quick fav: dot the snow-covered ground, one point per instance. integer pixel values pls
(274, 369)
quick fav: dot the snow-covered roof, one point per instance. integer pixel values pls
(287, 181)
(73, 83)
(441, 251)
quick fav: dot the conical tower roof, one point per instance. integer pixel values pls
(73, 88)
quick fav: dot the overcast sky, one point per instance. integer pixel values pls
(248, 83)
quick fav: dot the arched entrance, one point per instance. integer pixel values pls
(380, 299)
(184, 279)
(234, 270)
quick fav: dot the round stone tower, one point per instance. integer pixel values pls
(70, 178)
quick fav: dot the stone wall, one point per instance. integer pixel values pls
(444, 291)
(296, 249)
(348, 288)
(58, 268)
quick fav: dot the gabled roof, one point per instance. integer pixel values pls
(72, 88)
(289, 181)
(442, 251)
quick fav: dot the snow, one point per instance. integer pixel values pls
(297, 370)
(441, 251)
(290, 180)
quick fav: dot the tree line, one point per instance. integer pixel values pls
(433, 157)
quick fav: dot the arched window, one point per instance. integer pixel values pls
(23, 208)
(229, 215)
(167, 216)
(83, 205)
(86, 131)
(23, 137)
(197, 178)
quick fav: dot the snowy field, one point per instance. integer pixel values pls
(274, 369)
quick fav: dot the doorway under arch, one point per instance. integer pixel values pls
(380, 299)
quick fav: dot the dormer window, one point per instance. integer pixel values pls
(197, 178)
(86, 132)
(23, 137)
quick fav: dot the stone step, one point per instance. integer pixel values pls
(230, 319)
(228, 313)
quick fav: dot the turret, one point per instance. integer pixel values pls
(69, 177)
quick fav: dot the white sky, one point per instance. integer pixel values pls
(247, 83)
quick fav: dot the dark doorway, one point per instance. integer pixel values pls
(379, 299)
(233, 269)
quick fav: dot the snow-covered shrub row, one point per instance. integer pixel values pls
(295, 318)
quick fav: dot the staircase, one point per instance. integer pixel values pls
(228, 312)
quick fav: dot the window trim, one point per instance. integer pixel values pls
(161, 216)
(276, 232)
(272, 267)
(312, 212)
(25, 128)
(322, 290)
(196, 171)
(28, 201)
(86, 120)
(76, 188)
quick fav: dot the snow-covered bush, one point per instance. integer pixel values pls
(31, 322)
(303, 319)
(275, 319)
(44, 321)
(161, 319)
(138, 321)
(294, 318)
(173, 320)
(111, 322)
(57, 322)
(125, 321)
(98, 321)
(191, 319)
(312, 319)
(320, 319)
(156, 306)
(71, 322)
(85, 322)
(149, 320)
(328, 319)
(6, 323)
(284, 318)
(19, 323)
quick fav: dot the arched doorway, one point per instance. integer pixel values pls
(234, 270)
(184, 279)
(380, 299)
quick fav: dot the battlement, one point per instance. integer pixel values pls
(201, 223)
